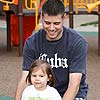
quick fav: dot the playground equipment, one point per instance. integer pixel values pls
(6, 6)
(90, 7)
(16, 8)
(3, 97)
(72, 7)
(33, 6)
(30, 22)
(78, 7)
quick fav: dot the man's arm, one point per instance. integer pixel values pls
(73, 87)
(21, 85)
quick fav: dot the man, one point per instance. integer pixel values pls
(63, 48)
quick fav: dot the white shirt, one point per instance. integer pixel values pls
(50, 93)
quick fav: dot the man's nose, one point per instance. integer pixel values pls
(52, 27)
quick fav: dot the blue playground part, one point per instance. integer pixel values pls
(6, 98)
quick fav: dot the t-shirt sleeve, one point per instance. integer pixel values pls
(28, 55)
(32, 49)
(24, 95)
(57, 95)
(78, 56)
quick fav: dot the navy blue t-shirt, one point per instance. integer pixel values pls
(66, 55)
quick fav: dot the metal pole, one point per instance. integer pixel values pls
(99, 30)
(8, 31)
(71, 13)
(20, 26)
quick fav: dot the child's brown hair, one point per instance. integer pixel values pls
(46, 67)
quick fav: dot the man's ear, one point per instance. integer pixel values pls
(41, 14)
(65, 16)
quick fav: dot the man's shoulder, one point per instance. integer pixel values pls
(35, 36)
(71, 31)
(73, 34)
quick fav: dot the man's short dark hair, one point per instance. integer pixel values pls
(53, 7)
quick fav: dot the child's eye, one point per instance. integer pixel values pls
(41, 75)
(33, 75)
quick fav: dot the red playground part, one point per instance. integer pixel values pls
(28, 27)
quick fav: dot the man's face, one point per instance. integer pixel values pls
(53, 26)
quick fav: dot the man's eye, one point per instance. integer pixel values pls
(48, 23)
(57, 23)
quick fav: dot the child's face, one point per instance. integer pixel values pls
(39, 79)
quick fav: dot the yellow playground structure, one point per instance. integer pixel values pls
(22, 8)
